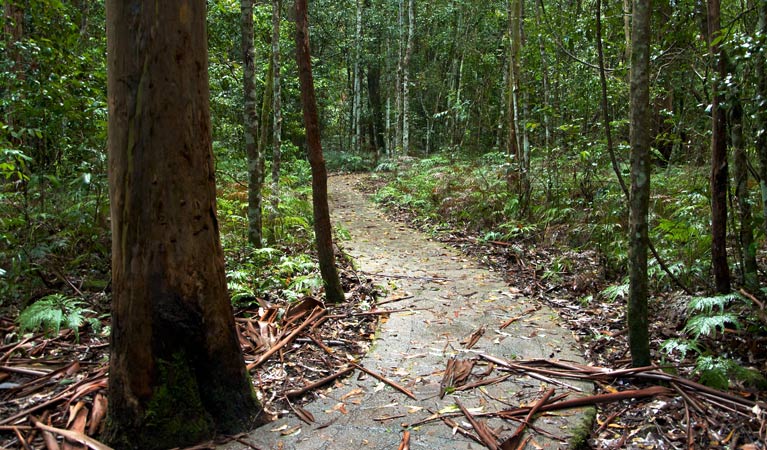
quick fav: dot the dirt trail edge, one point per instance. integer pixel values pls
(451, 298)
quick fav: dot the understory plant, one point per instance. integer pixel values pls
(708, 318)
(56, 311)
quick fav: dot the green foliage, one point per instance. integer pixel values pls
(708, 317)
(616, 291)
(56, 311)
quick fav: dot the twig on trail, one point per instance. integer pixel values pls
(452, 424)
(23, 371)
(316, 314)
(407, 277)
(318, 383)
(473, 338)
(405, 443)
(375, 312)
(524, 313)
(485, 382)
(515, 439)
(482, 431)
(392, 300)
(387, 381)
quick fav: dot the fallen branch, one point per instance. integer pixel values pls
(286, 340)
(407, 277)
(318, 383)
(516, 439)
(387, 381)
(487, 438)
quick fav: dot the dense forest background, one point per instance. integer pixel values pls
(499, 123)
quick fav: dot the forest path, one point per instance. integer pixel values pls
(448, 298)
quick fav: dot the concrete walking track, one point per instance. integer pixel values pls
(452, 297)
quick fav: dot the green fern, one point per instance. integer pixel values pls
(615, 291)
(54, 312)
(709, 325)
(681, 346)
(706, 305)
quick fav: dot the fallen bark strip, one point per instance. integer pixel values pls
(392, 300)
(516, 318)
(516, 439)
(589, 401)
(387, 381)
(485, 382)
(58, 398)
(74, 436)
(316, 314)
(405, 443)
(375, 312)
(406, 277)
(484, 434)
(318, 383)
(24, 371)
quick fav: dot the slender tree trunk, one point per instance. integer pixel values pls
(719, 170)
(255, 170)
(747, 245)
(357, 128)
(637, 316)
(406, 79)
(322, 228)
(761, 112)
(176, 371)
(277, 121)
(374, 94)
(627, 29)
(513, 144)
(398, 88)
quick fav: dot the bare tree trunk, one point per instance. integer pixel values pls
(406, 79)
(761, 113)
(747, 245)
(719, 170)
(636, 315)
(176, 371)
(398, 88)
(322, 228)
(255, 170)
(357, 128)
(513, 144)
(277, 121)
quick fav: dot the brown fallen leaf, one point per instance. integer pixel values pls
(473, 338)
(456, 374)
(302, 414)
(76, 424)
(97, 414)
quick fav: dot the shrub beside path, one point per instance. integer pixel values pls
(446, 298)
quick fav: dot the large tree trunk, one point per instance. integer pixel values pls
(322, 228)
(719, 170)
(255, 168)
(637, 317)
(176, 369)
(277, 123)
(376, 110)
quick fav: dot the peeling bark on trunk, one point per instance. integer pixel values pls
(176, 370)
(636, 315)
(322, 228)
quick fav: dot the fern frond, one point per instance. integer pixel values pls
(52, 312)
(703, 325)
(681, 346)
(706, 305)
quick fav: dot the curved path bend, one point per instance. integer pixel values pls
(452, 296)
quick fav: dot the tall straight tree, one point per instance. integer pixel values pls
(636, 315)
(322, 228)
(250, 117)
(406, 79)
(719, 169)
(277, 114)
(357, 95)
(761, 100)
(176, 371)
